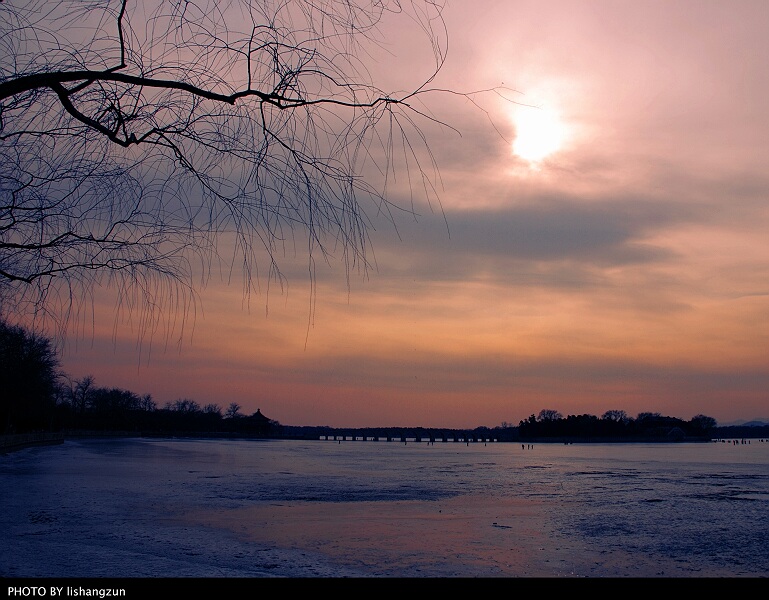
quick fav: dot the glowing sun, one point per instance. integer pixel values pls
(538, 133)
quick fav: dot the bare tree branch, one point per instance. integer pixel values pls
(136, 137)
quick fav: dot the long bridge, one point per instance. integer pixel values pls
(404, 434)
(405, 439)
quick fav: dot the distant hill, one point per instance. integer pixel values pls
(749, 429)
(753, 423)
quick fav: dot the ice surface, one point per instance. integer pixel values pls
(204, 508)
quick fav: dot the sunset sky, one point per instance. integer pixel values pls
(605, 247)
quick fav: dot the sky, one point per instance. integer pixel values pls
(599, 241)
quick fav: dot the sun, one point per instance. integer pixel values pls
(539, 133)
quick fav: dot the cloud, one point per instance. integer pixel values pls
(567, 238)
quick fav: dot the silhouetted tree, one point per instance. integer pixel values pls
(147, 404)
(115, 401)
(140, 138)
(184, 405)
(233, 411)
(581, 425)
(702, 424)
(648, 416)
(212, 409)
(617, 416)
(28, 380)
(548, 414)
(81, 394)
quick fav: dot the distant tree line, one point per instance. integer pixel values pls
(617, 424)
(35, 395)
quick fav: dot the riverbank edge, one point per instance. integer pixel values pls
(12, 443)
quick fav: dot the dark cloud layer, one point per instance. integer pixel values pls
(564, 239)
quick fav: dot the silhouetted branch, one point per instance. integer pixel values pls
(139, 139)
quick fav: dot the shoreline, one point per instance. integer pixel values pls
(12, 443)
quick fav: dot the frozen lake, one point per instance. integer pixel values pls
(278, 508)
